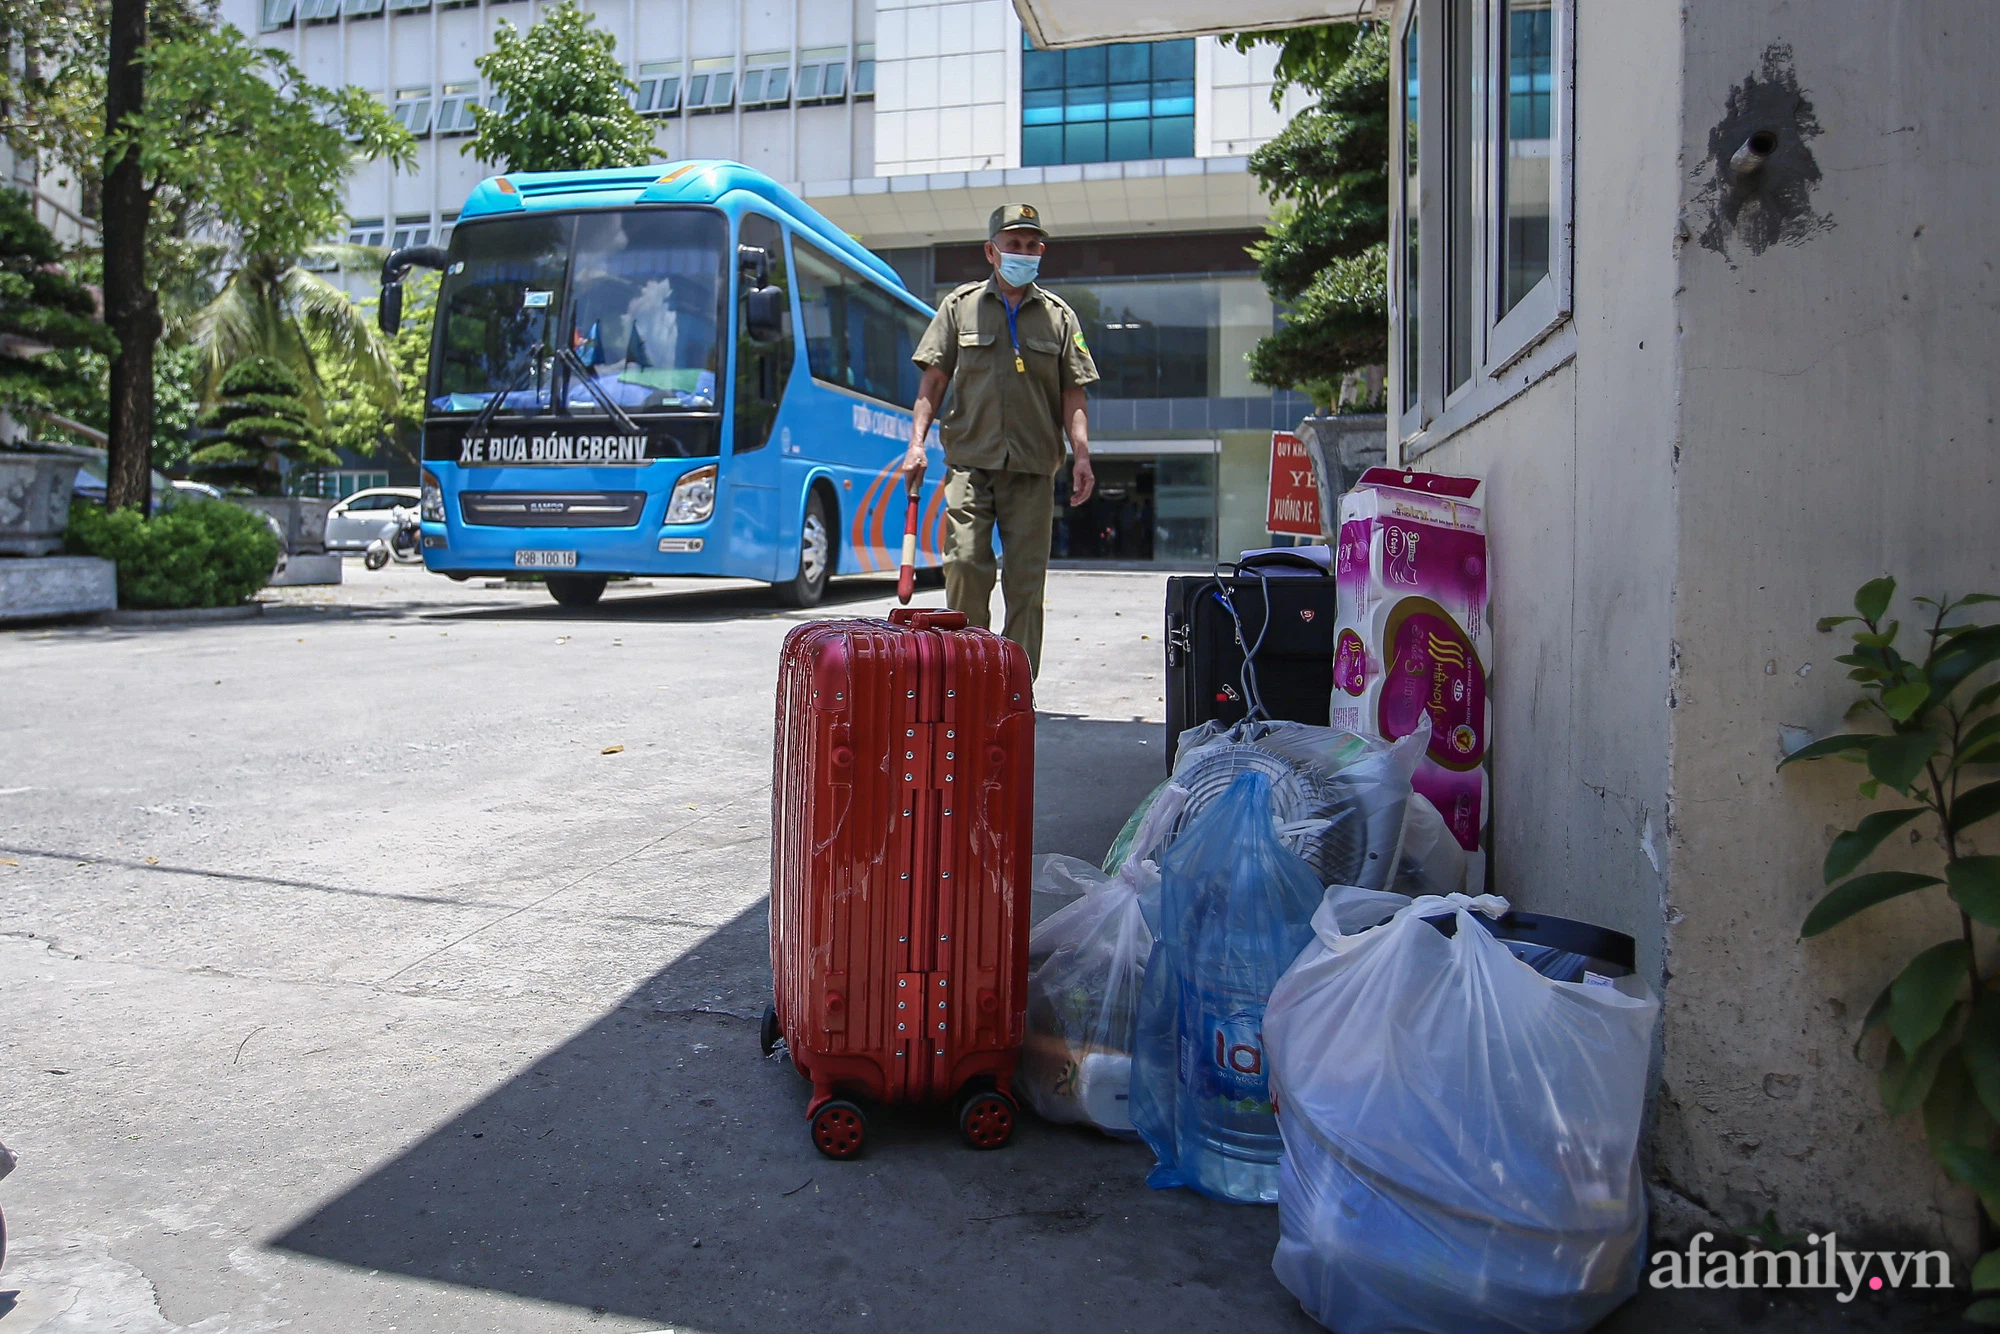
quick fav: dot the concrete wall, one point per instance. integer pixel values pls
(1578, 471)
(1837, 412)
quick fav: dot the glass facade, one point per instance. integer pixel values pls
(1116, 103)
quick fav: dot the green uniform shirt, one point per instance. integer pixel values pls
(1004, 416)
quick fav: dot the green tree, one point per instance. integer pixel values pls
(43, 311)
(1325, 253)
(273, 306)
(205, 135)
(260, 421)
(563, 99)
(358, 419)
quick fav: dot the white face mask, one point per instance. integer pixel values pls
(1019, 270)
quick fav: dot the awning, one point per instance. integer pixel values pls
(1053, 24)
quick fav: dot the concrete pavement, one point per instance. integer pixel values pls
(347, 984)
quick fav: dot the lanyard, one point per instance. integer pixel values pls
(1014, 334)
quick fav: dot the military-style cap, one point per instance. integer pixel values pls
(1015, 215)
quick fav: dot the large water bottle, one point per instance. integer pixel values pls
(1236, 908)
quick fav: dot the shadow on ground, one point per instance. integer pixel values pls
(657, 1166)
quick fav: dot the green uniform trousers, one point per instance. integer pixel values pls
(1024, 505)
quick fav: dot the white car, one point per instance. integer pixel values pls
(366, 515)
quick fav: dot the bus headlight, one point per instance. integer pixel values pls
(694, 497)
(430, 499)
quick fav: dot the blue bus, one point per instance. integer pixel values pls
(670, 370)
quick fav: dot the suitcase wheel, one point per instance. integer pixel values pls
(986, 1120)
(771, 1035)
(839, 1129)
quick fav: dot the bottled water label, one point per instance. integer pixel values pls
(1222, 1050)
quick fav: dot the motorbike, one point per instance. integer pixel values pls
(404, 542)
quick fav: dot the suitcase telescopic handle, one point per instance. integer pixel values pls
(927, 618)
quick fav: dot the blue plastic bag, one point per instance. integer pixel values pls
(1235, 909)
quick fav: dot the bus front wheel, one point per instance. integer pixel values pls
(808, 586)
(577, 590)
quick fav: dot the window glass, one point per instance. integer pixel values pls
(278, 13)
(1526, 101)
(637, 310)
(864, 70)
(1412, 198)
(762, 369)
(858, 336)
(1116, 103)
(1461, 240)
(1173, 337)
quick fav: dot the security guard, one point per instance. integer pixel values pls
(1017, 354)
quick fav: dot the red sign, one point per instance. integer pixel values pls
(1294, 502)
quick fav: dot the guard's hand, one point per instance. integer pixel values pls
(914, 464)
(1082, 481)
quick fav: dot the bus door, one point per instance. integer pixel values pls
(761, 528)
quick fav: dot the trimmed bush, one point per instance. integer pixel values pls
(200, 553)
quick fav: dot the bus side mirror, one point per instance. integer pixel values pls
(767, 314)
(754, 263)
(389, 317)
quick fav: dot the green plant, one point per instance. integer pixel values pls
(564, 100)
(260, 417)
(44, 314)
(200, 553)
(1943, 1009)
(1325, 252)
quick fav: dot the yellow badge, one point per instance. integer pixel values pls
(1081, 346)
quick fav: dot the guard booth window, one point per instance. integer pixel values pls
(762, 369)
(858, 336)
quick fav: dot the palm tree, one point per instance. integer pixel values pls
(274, 306)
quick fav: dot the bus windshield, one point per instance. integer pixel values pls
(543, 309)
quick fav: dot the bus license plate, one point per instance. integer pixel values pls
(545, 560)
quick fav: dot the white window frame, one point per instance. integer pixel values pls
(821, 61)
(362, 9)
(411, 230)
(412, 110)
(454, 108)
(705, 78)
(657, 88)
(1509, 352)
(275, 14)
(864, 73)
(758, 72)
(318, 11)
(359, 231)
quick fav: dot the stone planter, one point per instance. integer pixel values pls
(1341, 449)
(34, 502)
(302, 518)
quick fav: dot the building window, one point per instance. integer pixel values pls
(319, 11)
(413, 110)
(1116, 103)
(659, 90)
(767, 79)
(404, 5)
(449, 221)
(277, 14)
(712, 84)
(1481, 272)
(454, 114)
(411, 231)
(358, 9)
(864, 71)
(823, 74)
(857, 335)
(365, 231)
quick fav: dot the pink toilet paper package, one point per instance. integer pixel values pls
(1412, 636)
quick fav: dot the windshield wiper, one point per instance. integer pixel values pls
(483, 423)
(568, 357)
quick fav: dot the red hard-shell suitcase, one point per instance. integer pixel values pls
(902, 818)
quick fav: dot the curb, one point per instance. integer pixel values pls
(242, 611)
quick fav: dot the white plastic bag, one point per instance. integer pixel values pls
(1461, 1133)
(1085, 964)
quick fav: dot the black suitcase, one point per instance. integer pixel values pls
(1289, 620)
